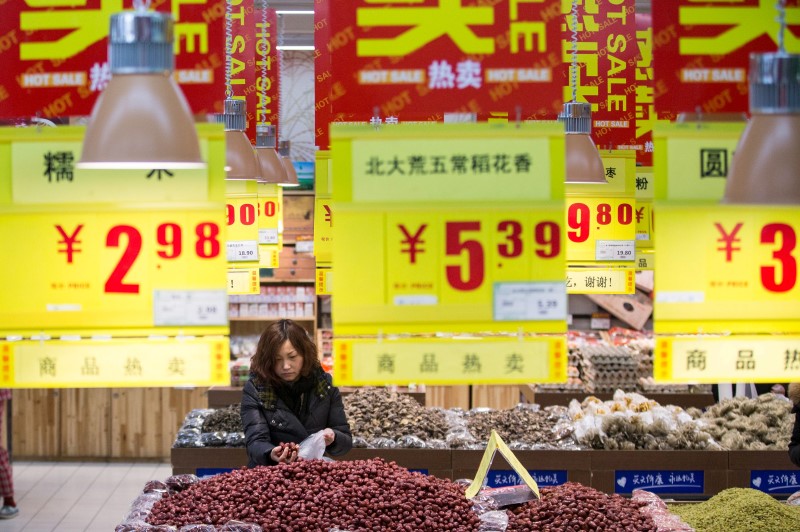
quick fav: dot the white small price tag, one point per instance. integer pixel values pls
(242, 250)
(190, 307)
(615, 250)
(304, 246)
(268, 236)
(530, 301)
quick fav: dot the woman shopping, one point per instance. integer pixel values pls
(289, 397)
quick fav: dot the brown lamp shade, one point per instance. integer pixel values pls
(583, 161)
(240, 158)
(284, 148)
(270, 165)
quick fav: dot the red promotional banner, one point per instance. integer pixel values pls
(400, 61)
(267, 86)
(243, 57)
(645, 89)
(702, 48)
(606, 51)
(55, 58)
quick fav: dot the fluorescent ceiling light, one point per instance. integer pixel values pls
(292, 12)
(296, 47)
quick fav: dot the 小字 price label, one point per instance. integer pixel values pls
(109, 363)
(427, 267)
(734, 358)
(600, 230)
(360, 362)
(102, 270)
(601, 281)
(243, 281)
(270, 214)
(743, 273)
(323, 230)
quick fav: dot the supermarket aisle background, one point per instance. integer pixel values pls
(76, 496)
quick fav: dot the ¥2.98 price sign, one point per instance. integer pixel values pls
(601, 230)
(480, 269)
(109, 270)
(728, 269)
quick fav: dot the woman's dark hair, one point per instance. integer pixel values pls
(273, 337)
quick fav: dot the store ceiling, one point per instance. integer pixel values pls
(298, 28)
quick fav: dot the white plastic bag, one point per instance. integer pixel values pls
(313, 447)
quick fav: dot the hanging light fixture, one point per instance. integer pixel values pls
(240, 158)
(141, 119)
(583, 163)
(270, 166)
(766, 165)
(284, 149)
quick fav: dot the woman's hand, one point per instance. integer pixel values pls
(284, 453)
(329, 436)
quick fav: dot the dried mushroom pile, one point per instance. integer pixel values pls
(523, 425)
(377, 413)
(751, 424)
(631, 421)
(228, 419)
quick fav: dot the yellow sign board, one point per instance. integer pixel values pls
(601, 281)
(692, 160)
(742, 269)
(324, 281)
(645, 259)
(323, 230)
(243, 281)
(496, 443)
(734, 358)
(601, 230)
(123, 268)
(449, 361)
(106, 363)
(270, 216)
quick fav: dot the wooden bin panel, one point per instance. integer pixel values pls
(175, 404)
(136, 423)
(36, 423)
(86, 422)
(447, 396)
(222, 396)
(500, 397)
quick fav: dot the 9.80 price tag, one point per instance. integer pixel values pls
(743, 268)
(466, 267)
(102, 269)
(601, 229)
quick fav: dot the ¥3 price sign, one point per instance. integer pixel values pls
(476, 269)
(727, 269)
(132, 270)
(601, 230)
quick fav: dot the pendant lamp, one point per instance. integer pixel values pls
(240, 158)
(270, 164)
(284, 149)
(141, 120)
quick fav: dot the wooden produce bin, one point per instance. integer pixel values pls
(622, 471)
(207, 460)
(499, 397)
(435, 462)
(448, 396)
(572, 466)
(769, 471)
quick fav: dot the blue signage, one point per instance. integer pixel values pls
(205, 472)
(498, 478)
(423, 471)
(659, 481)
(775, 481)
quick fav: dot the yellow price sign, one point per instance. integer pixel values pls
(601, 281)
(645, 259)
(324, 281)
(110, 363)
(120, 269)
(743, 274)
(601, 230)
(734, 358)
(243, 281)
(270, 215)
(323, 230)
(447, 361)
(644, 225)
(269, 256)
(691, 161)
(483, 268)
(241, 216)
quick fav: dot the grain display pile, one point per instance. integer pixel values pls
(523, 426)
(358, 496)
(739, 510)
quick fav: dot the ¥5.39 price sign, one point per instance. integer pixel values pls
(727, 269)
(601, 230)
(132, 270)
(469, 269)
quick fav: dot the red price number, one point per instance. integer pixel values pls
(170, 239)
(783, 276)
(580, 218)
(270, 209)
(245, 214)
(459, 239)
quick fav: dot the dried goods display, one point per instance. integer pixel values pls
(198, 428)
(631, 421)
(363, 495)
(228, 419)
(382, 414)
(573, 507)
(523, 427)
(739, 510)
(753, 424)
(605, 367)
